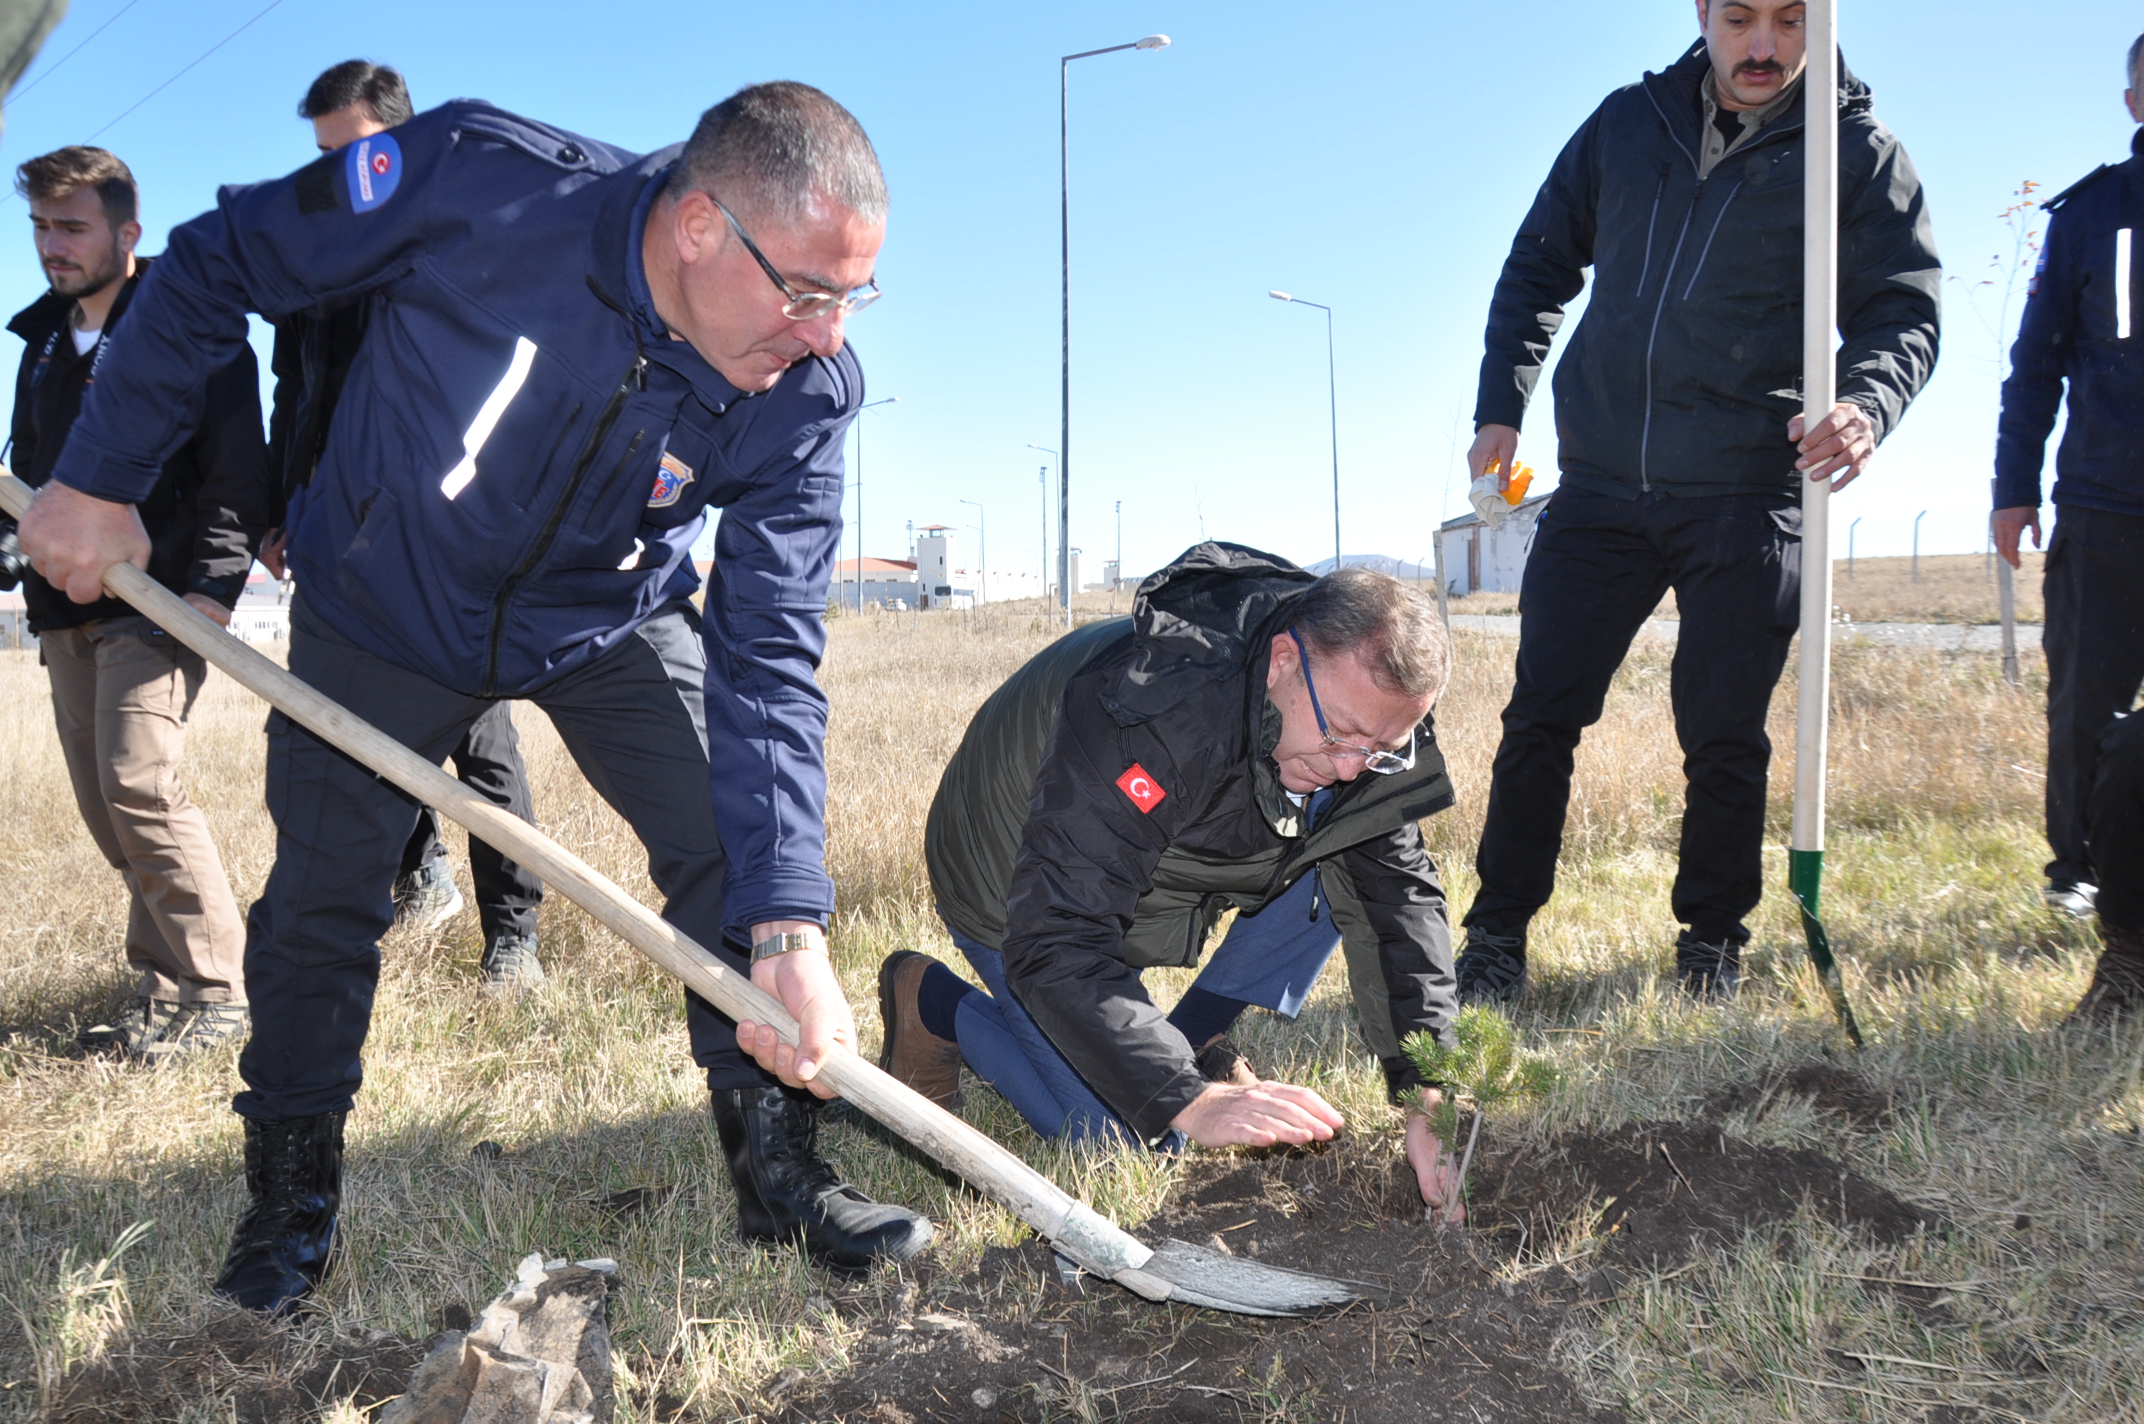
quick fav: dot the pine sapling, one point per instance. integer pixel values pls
(1484, 1067)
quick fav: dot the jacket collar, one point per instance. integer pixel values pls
(619, 279)
(1676, 94)
(51, 310)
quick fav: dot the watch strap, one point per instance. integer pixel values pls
(783, 943)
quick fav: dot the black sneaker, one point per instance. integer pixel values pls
(510, 963)
(1492, 968)
(131, 1029)
(2074, 898)
(198, 1028)
(1708, 972)
(427, 897)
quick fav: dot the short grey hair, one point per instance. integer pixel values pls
(1389, 626)
(2136, 65)
(777, 147)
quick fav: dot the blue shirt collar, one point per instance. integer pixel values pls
(641, 302)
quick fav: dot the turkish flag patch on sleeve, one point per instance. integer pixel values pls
(1145, 791)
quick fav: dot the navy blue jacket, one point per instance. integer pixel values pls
(521, 456)
(2071, 332)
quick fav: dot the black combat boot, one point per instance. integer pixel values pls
(281, 1246)
(787, 1193)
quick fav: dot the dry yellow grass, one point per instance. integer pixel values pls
(1952, 588)
(1957, 975)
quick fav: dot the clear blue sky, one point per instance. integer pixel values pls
(1376, 157)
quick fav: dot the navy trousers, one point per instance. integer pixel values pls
(2095, 662)
(2115, 823)
(1598, 568)
(488, 762)
(633, 720)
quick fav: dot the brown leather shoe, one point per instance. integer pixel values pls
(2117, 988)
(913, 1054)
(1220, 1061)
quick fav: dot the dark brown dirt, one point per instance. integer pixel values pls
(1445, 1338)
(1840, 1092)
(1669, 1190)
(271, 1373)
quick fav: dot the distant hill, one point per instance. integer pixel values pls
(1384, 564)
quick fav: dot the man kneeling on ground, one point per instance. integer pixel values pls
(1131, 782)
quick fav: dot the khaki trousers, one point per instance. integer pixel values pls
(121, 689)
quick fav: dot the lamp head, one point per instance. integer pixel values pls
(1280, 296)
(1153, 42)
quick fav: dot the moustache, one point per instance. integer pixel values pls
(1760, 66)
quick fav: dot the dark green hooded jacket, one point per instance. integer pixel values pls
(1037, 847)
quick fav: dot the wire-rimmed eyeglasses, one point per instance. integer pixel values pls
(1381, 762)
(800, 306)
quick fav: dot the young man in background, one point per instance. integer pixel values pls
(121, 686)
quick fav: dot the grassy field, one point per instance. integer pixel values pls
(2025, 1139)
(1952, 588)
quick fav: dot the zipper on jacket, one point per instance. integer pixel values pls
(1706, 250)
(1645, 437)
(1659, 193)
(635, 378)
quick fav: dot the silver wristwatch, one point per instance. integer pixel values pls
(780, 944)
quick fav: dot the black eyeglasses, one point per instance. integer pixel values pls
(801, 306)
(1383, 763)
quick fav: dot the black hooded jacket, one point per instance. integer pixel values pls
(206, 514)
(1037, 846)
(1686, 367)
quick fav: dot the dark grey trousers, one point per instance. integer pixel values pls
(635, 723)
(2095, 663)
(1597, 570)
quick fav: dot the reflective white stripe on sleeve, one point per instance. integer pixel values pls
(502, 395)
(2121, 284)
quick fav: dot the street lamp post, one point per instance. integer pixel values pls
(982, 551)
(1064, 262)
(1043, 476)
(1917, 546)
(889, 400)
(1332, 390)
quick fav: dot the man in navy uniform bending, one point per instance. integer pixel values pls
(572, 352)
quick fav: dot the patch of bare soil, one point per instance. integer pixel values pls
(1665, 1191)
(1841, 1092)
(271, 1373)
(1444, 1336)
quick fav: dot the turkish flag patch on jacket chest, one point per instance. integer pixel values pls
(1145, 791)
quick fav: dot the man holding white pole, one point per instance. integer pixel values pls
(1682, 447)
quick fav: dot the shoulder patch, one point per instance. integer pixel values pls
(1139, 784)
(2078, 187)
(374, 165)
(316, 185)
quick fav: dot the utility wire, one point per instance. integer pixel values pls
(53, 67)
(182, 73)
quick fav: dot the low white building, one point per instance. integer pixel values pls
(1473, 558)
(881, 581)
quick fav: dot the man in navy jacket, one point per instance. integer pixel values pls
(571, 354)
(2081, 328)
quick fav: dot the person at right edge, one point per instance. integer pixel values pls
(1681, 447)
(2079, 327)
(350, 101)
